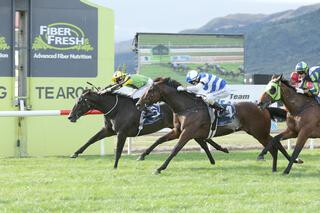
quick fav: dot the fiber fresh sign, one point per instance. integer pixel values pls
(61, 36)
(64, 42)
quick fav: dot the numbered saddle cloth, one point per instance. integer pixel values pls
(229, 120)
(152, 115)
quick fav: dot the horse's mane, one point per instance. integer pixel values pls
(175, 84)
(287, 83)
(168, 81)
(103, 93)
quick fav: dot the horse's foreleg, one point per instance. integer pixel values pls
(121, 139)
(205, 147)
(274, 140)
(104, 132)
(302, 138)
(173, 134)
(217, 146)
(274, 153)
(183, 139)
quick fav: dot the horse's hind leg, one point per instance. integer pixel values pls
(217, 146)
(205, 147)
(104, 132)
(276, 142)
(173, 134)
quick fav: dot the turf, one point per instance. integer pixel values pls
(237, 183)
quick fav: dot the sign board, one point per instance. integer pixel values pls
(72, 42)
(173, 55)
(240, 93)
(5, 39)
(8, 134)
(64, 39)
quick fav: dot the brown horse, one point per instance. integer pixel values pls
(303, 119)
(192, 121)
(122, 119)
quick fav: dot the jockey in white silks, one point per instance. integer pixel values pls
(209, 86)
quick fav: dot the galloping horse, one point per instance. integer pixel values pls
(123, 119)
(303, 119)
(192, 121)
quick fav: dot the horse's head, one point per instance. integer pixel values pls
(82, 106)
(152, 95)
(272, 92)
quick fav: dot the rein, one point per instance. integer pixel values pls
(113, 106)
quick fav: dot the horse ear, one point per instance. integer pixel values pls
(276, 77)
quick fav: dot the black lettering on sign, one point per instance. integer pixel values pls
(58, 92)
(70, 92)
(239, 97)
(3, 92)
(61, 93)
(49, 93)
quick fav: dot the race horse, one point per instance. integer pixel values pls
(303, 119)
(123, 119)
(192, 120)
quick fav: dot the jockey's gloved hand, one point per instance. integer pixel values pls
(299, 90)
(181, 88)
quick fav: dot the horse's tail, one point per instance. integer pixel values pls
(277, 113)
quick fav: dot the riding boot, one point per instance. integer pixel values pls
(221, 110)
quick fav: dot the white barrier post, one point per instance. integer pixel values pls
(311, 143)
(102, 153)
(129, 145)
(288, 144)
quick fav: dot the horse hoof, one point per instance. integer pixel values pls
(140, 158)
(298, 161)
(225, 150)
(285, 173)
(260, 158)
(157, 172)
(74, 156)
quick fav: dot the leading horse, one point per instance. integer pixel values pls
(303, 119)
(192, 121)
(123, 119)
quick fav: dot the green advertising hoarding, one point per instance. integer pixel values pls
(72, 42)
(173, 55)
(8, 125)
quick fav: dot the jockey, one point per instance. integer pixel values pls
(210, 86)
(310, 79)
(139, 83)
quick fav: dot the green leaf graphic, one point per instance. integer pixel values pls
(3, 44)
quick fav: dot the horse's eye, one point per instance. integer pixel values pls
(273, 90)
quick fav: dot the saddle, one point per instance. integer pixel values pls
(227, 118)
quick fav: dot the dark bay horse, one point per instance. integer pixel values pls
(303, 119)
(192, 121)
(122, 119)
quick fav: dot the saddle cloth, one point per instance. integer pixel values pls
(229, 119)
(151, 116)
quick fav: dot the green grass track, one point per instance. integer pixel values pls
(237, 183)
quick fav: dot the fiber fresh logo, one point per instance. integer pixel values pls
(3, 44)
(61, 36)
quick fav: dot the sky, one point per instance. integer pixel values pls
(172, 16)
